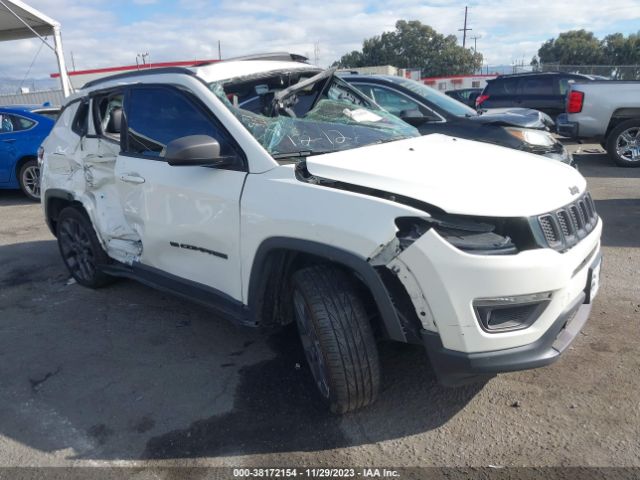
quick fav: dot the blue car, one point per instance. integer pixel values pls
(22, 130)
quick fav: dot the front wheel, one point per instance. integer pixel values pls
(337, 337)
(623, 144)
(29, 179)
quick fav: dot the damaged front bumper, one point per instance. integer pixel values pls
(448, 287)
(458, 368)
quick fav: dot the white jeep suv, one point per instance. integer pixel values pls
(274, 192)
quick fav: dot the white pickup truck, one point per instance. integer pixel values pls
(608, 111)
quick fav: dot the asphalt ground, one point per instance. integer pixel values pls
(127, 375)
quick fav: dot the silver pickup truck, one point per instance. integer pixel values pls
(609, 112)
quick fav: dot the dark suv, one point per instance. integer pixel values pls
(544, 91)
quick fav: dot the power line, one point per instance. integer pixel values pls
(465, 29)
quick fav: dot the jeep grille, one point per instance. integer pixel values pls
(565, 227)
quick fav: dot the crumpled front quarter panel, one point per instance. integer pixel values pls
(277, 204)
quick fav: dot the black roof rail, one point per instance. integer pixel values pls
(274, 56)
(138, 73)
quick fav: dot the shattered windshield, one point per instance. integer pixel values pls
(309, 112)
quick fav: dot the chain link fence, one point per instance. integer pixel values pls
(612, 72)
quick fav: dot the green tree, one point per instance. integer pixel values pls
(414, 45)
(575, 47)
(618, 55)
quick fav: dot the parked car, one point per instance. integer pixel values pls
(465, 95)
(22, 130)
(430, 111)
(317, 208)
(544, 91)
(608, 112)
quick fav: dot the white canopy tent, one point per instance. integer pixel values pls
(19, 21)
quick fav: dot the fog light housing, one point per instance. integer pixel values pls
(509, 313)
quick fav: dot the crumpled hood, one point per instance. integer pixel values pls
(458, 176)
(516, 117)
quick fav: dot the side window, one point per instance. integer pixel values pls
(108, 115)
(81, 120)
(537, 86)
(503, 86)
(6, 125)
(564, 84)
(14, 123)
(158, 115)
(395, 102)
(366, 89)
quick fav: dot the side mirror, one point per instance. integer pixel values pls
(413, 117)
(196, 150)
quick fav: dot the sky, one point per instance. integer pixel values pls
(103, 33)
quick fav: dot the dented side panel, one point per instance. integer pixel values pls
(84, 167)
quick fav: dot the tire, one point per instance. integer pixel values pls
(29, 179)
(80, 248)
(623, 143)
(337, 337)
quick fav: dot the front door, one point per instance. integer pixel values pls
(187, 217)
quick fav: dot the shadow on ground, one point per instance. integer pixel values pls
(127, 372)
(598, 164)
(10, 198)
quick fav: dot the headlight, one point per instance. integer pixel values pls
(471, 235)
(538, 138)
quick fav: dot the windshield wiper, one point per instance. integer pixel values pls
(303, 153)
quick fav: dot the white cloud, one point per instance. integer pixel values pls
(509, 31)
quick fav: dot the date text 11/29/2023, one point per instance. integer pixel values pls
(242, 473)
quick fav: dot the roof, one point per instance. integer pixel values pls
(12, 28)
(223, 70)
(242, 68)
(29, 108)
(529, 74)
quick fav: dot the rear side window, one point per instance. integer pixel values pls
(14, 123)
(81, 120)
(537, 86)
(502, 86)
(158, 115)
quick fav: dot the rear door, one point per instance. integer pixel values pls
(187, 217)
(540, 92)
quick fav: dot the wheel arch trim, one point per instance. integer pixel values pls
(258, 279)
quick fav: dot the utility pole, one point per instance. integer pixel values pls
(316, 53)
(475, 43)
(465, 29)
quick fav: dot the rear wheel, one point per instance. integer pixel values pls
(29, 179)
(336, 337)
(623, 144)
(81, 250)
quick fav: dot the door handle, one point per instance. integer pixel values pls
(137, 179)
(8, 140)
